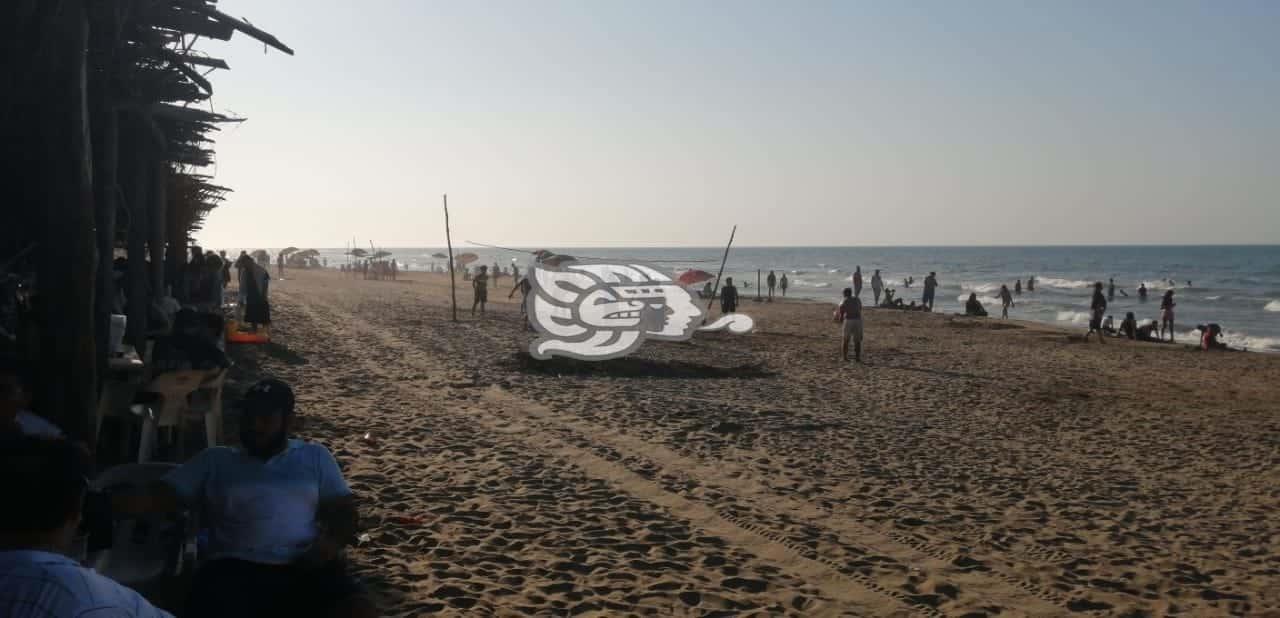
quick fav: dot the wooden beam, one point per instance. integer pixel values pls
(178, 62)
(242, 26)
(196, 22)
(204, 61)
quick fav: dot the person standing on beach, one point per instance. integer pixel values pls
(877, 286)
(782, 284)
(849, 315)
(496, 272)
(280, 265)
(857, 282)
(1098, 308)
(1006, 301)
(524, 286)
(930, 286)
(480, 285)
(244, 279)
(226, 270)
(772, 282)
(1166, 314)
(1017, 287)
(1111, 290)
(728, 297)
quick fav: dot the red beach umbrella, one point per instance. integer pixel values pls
(466, 258)
(694, 276)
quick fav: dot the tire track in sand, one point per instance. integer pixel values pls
(853, 593)
(534, 424)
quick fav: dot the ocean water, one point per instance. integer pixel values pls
(1235, 286)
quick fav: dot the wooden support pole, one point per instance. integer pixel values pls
(723, 261)
(66, 387)
(136, 277)
(758, 285)
(448, 238)
(106, 145)
(156, 224)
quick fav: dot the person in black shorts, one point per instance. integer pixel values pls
(1097, 308)
(480, 285)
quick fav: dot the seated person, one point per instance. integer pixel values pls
(48, 479)
(15, 402)
(192, 345)
(1109, 326)
(888, 298)
(1210, 337)
(1148, 332)
(1129, 327)
(973, 307)
(279, 514)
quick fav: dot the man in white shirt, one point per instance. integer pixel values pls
(279, 514)
(15, 399)
(47, 481)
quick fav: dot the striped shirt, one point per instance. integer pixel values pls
(37, 584)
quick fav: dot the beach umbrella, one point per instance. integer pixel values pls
(694, 276)
(358, 252)
(466, 258)
(308, 253)
(288, 250)
(439, 256)
(381, 254)
(260, 256)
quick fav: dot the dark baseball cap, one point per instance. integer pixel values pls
(269, 395)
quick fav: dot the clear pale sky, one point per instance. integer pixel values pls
(599, 122)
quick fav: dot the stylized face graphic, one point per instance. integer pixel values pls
(598, 311)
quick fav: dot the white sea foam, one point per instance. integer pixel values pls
(1218, 298)
(981, 288)
(1273, 306)
(1075, 317)
(1237, 340)
(1066, 284)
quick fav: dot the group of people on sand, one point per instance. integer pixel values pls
(377, 270)
(275, 511)
(1155, 330)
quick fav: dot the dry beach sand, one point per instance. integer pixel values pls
(973, 467)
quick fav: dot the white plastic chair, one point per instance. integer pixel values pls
(145, 549)
(174, 389)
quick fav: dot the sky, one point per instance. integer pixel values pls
(664, 123)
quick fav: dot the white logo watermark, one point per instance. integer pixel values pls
(602, 310)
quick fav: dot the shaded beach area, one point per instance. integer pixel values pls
(971, 467)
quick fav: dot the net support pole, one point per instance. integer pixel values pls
(448, 239)
(716, 290)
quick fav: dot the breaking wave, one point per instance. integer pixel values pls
(1065, 284)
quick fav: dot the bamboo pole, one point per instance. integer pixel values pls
(711, 301)
(758, 299)
(453, 290)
